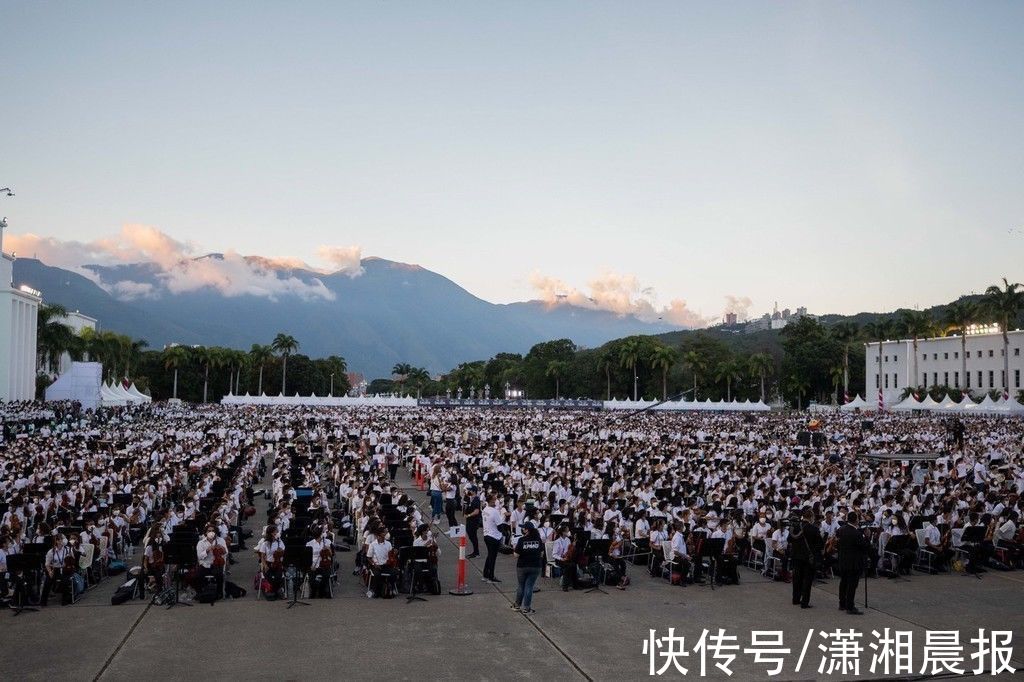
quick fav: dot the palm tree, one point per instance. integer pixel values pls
(664, 358)
(726, 371)
(174, 358)
(1004, 305)
(556, 368)
(336, 365)
(401, 370)
(879, 330)
(53, 338)
(761, 365)
(958, 317)
(846, 333)
(235, 359)
(134, 352)
(285, 344)
(696, 363)
(605, 362)
(419, 376)
(798, 385)
(209, 357)
(629, 356)
(836, 373)
(260, 355)
(915, 324)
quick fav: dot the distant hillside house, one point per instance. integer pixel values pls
(939, 364)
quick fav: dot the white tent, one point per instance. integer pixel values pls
(136, 393)
(856, 403)
(910, 403)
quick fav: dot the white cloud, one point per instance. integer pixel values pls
(622, 294)
(179, 270)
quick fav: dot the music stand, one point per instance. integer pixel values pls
(18, 565)
(181, 555)
(712, 548)
(597, 549)
(896, 545)
(414, 556)
(299, 560)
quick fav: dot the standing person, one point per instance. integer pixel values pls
(805, 546)
(530, 561)
(436, 494)
(853, 548)
(450, 486)
(473, 520)
(492, 536)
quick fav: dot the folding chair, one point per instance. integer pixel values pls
(755, 558)
(924, 555)
(551, 565)
(669, 561)
(88, 552)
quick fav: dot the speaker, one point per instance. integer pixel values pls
(803, 438)
(818, 438)
(867, 425)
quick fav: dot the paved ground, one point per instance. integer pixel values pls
(573, 636)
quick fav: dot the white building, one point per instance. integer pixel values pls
(78, 322)
(19, 308)
(939, 363)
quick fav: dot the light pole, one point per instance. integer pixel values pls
(635, 378)
(332, 385)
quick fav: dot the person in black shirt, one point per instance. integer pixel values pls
(530, 553)
(853, 548)
(805, 545)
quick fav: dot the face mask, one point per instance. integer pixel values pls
(762, 519)
(210, 536)
(893, 522)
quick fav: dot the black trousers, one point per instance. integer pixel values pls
(449, 511)
(471, 529)
(848, 588)
(492, 555)
(803, 578)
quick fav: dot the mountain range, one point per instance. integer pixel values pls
(391, 312)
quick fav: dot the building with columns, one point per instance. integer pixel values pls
(939, 363)
(19, 308)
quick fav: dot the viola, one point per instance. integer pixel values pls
(70, 563)
(278, 563)
(393, 558)
(157, 562)
(219, 552)
(326, 556)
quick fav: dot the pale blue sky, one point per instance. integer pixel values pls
(843, 156)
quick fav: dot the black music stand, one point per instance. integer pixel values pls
(414, 556)
(897, 545)
(181, 555)
(597, 550)
(19, 566)
(712, 548)
(299, 560)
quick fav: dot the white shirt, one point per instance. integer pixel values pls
(560, 548)
(378, 552)
(492, 519)
(679, 545)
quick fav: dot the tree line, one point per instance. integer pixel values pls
(807, 360)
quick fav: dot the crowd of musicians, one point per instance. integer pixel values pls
(687, 497)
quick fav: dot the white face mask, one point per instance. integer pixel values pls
(211, 535)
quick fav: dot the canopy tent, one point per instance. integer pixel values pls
(688, 405)
(858, 403)
(907, 404)
(136, 393)
(315, 400)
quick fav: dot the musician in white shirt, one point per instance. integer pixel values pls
(322, 548)
(378, 552)
(493, 517)
(212, 553)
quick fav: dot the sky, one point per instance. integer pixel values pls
(676, 157)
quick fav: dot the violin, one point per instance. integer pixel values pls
(278, 563)
(70, 563)
(393, 558)
(157, 562)
(219, 553)
(326, 556)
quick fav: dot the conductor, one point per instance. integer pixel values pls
(805, 544)
(853, 548)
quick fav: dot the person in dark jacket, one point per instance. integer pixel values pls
(805, 546)
(853, 547)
